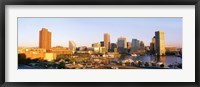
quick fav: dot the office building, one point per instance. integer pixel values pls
(141, 45)
(160, 42)
(135, 45)
(121, 44)
(113, 46)
(72, 46)
(45, 39)
(102, 43)
(106, 41)
(129, 45)
(153, 45)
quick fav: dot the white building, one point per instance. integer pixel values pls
(72, 46)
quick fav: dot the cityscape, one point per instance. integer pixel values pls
(107, 53)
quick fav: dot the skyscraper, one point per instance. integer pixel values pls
(113, 46)
(154, 41)
(160, 42)
(135, 45)
(141, 45)
(102, 43)
(121, 44)
(106, 41)
(128, 45)
(72, 46)
(153, 45)
(45, 39)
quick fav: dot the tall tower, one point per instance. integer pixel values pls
(135, 45)
(154, 41)
(160, 42)
(121, 44)
(72, 46)
(106, 41)
(45, 39)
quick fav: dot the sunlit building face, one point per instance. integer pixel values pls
(45, 39)
(72, 46)
(107, 41)
(160, 42)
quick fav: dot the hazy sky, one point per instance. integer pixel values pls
(85, 31)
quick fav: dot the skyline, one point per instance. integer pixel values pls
(66, 29)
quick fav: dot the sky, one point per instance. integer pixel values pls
(85, 31)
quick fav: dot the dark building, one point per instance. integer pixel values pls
(102, 43)
(113, 46)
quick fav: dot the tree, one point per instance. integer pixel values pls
(71, 60)
(146, 64)
(61, 65)
(139, 63)
(21, 58)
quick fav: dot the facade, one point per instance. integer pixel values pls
(72, 46)
(121, 44)
(37, 53)
(96, 49)
(50, 56)
(102, 50)
(45, 39)
(160, 42)
(154, 42)
(32, 53)
(61, 50)
(113, 46)
(102, 43)
(153, 45)
(96, 44)
(141, 45)
(83, 48)
(129, 45)
(106, 41)
(135, 45)
(152, 50)
(170, 49)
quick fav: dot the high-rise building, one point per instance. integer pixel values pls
(135, 45)
(121, 44)
(128, 45)
(72, 46)
(160, 42)
(45, 39)
(141, 45)
(153, 45)
(106, 41)
(113, 46)
(154, 41)
(152, 50)
(102, 43)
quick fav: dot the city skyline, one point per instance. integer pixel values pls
(131, 28)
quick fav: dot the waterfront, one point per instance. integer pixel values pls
(166, 60)
(104, 48)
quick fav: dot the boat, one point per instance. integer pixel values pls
(133, 55)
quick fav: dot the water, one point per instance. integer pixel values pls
(166, 60)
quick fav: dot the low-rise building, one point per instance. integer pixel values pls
(33, 53)
(61, 50)
(170, 49)
(50, 56)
